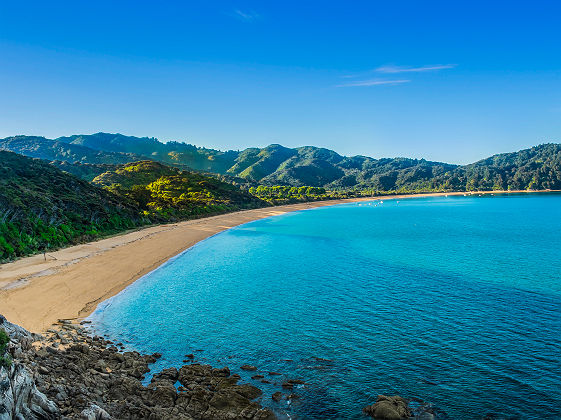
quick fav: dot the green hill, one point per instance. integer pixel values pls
(85, 171)
(174, 153)
(42, 148)
(42, 207)
(536, 168)
(167, 193)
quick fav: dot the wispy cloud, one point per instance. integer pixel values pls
(407, 69)
(246, 15)
(374, 82)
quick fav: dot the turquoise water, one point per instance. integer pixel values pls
(453, 300)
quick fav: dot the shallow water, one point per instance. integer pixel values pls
(454, 300)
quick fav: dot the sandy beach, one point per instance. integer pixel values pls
(35, 293)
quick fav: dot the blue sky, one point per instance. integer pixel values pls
(445, 80)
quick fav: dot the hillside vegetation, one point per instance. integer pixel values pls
(275, 165)
(165, 193)
(537, 168)
(42, 207)
(42, 148)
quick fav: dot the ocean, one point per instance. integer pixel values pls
(452, 300)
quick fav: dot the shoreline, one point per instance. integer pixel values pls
(72, 281)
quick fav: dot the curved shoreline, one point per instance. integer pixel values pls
(35, 293)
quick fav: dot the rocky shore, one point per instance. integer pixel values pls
(70, 375)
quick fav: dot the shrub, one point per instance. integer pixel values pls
(4, 340)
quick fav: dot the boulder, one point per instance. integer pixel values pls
(164, 393)
(94, 412)
(277, 396)
(170, 374)
(389, 408)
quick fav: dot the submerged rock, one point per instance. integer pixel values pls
(277, 396)
(389, 408)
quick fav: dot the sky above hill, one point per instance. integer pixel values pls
(453, 81)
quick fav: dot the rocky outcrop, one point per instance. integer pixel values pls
(19, 396)
(71, 375)
(397, 408)
(389, 408)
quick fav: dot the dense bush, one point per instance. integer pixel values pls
(43, 208)
(280, 194)
(165, 193)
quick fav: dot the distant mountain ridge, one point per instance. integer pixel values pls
(537, 168)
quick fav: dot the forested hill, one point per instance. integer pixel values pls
(42, 148)
(164, 193)
(42, 207)
(535, 168)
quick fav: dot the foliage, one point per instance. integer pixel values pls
(85, 171)
(281, 194)
(42, 148)
(165, 193)
(43, 208)
(537, 168)
(5, 361)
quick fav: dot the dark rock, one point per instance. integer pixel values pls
(170, 374)
(249, 391)
(277, 396)
(389, 408)
(296, 382)
(94, 412)
(249, 368)
(163, 394)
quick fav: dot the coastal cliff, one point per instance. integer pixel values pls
(19, 396)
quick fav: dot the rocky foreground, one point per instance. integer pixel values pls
(69, 374)
(74, 376)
